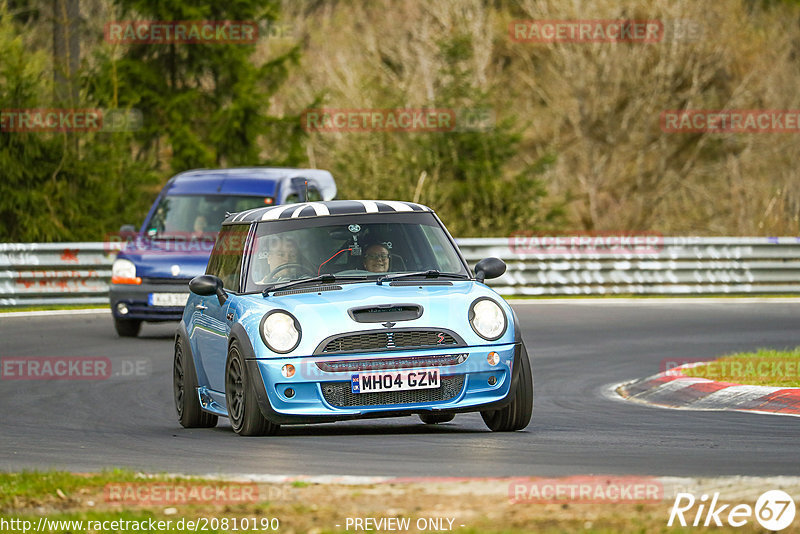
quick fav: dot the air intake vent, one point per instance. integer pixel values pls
(340, 394)
(394, 339)
(316, 289)
(386, 312)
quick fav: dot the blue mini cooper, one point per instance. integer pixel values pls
(326, 311)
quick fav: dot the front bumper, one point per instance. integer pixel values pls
(324, 395)
(136, 299)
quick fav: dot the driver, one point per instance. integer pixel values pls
(283, 257)
(376, 258)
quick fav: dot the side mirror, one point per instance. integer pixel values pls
(489, 268)
(208, 284)
(127, 230)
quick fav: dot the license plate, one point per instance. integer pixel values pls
(394, 381)
(168, 299)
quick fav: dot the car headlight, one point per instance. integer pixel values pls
(124, 272)
(280, 331)
(487, 319)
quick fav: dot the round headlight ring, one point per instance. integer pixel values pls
(291, 321)
(472, 316)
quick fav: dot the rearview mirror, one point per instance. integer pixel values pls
(489, 268)
(127, 230)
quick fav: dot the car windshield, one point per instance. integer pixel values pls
(361, 246)
(181, 215)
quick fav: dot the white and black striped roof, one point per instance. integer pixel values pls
(323, 209)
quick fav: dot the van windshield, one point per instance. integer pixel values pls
(182, 215)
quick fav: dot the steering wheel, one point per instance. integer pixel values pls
(302, 269)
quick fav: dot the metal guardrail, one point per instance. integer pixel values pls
(34, 274)
(666, 266)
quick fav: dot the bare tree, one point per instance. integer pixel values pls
(66, 50)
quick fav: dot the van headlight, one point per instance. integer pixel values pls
(124, 272)
(487, 319)
(280, 331)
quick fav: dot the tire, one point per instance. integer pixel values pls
(127, 327)
(184, 388)
(436, 418)
(240, 396)
(517, 414)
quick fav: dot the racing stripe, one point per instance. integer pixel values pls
(275, 213)
(397, 206)
(307, 211)
(241, 216)
(346, 207)
(416, 207)
(369, 206)
(384, 208)
(319, 208)
(287, 214)
(296, 212)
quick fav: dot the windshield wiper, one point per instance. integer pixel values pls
(433, 273)
(323, 278)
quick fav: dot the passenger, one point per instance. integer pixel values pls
(376, 258)
(200, 224)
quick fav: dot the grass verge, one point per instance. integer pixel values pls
(427, 505)
(764, 367)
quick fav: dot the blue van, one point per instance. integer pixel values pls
(150, 277)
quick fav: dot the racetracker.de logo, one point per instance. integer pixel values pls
(586, 243)
(586, 31)
(378, 120)
(752, 369)
(199, 243)
(586, 489)
(55, 368)
(69, 120)
(398, 120)
(730, 121)
(172, 493)
(181, 32)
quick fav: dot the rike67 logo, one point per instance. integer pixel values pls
(774, 510)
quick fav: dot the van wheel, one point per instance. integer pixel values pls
(127, 327)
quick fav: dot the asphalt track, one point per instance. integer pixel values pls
(577, 350)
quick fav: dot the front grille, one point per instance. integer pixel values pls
(166, 312)
(166, 281)
(392, 363)
(393, 339)
(340, 394)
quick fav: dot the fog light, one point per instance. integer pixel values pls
(492, 381)
(122, 308)
(493, 358)
(289, 392)
(287, 370)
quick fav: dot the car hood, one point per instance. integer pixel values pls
(323, 314)
(156, 259)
